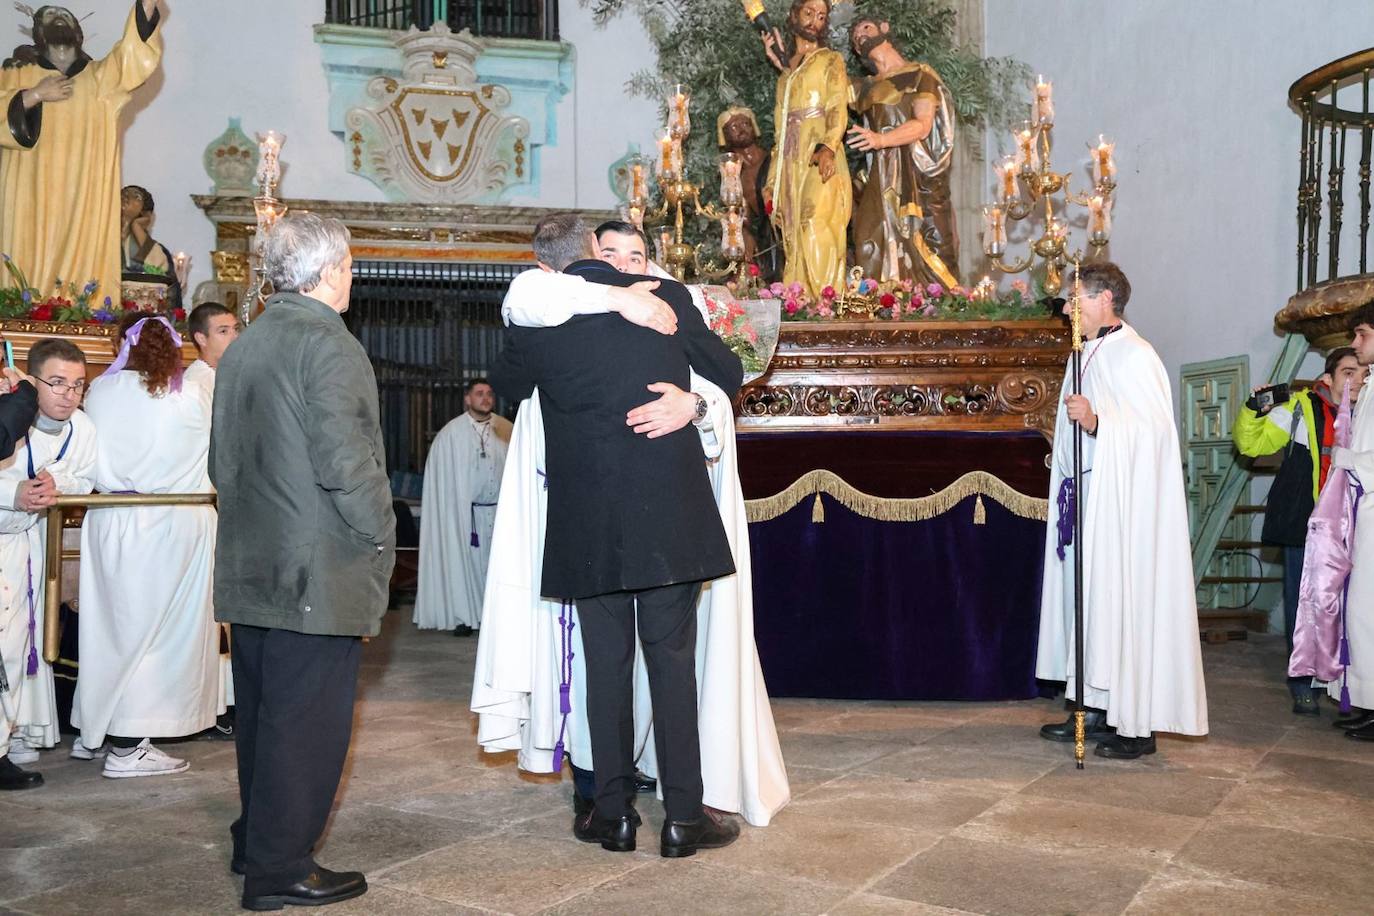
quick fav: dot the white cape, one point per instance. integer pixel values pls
(29, 709)
(520, 652)
(453, 572)
(150, 664)
(1142, 659)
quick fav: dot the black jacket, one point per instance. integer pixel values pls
(17, 412)
(626, 512)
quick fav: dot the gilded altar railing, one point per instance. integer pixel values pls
(977, 376)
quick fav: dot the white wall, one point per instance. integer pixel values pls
(1195, 95)
(260, 62)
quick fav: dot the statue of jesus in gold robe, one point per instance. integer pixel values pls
(808, 182)
(59, 148)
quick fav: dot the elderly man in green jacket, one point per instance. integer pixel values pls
(1303, 427)
(306, 545)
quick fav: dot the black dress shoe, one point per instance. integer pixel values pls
(13, 779)
(585, 806)
(1119, 747)
(614, 835)
(1359, 720)
(1095, 728)
(319, 888)
(645, 783)
(1362, 734)
(684, 838)
(463, 630)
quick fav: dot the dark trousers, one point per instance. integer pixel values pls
(1292, 585)
(667, 620)
(294, 697)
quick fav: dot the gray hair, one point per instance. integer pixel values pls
(561, 239)
(299, 248)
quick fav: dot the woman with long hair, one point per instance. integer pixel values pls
(150, 662)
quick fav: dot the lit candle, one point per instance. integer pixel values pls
(679, 120)
(1044, 103)
(269, 150)
(1006, 180)
(1104, 167)
(1027, 158)
(635, 215)
(732, 235)
(662, 242)
(1099, 219)
(731, 188)
(638, 191)
(667, 158)
(994, 230)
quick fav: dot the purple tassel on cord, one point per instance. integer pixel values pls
(32, 667)
(1064, 530)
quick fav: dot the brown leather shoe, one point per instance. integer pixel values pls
(684, 838)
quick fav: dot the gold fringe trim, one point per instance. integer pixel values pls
(974, 483)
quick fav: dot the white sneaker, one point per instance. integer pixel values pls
(81, 752)
(20, 752)
(144, 760)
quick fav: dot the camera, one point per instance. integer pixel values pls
(1268, 397)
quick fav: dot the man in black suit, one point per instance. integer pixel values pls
(632, 524)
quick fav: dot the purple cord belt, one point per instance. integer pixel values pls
(472, 517)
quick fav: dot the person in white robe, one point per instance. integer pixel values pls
(1142, 656)
(150, 659)
(528, 653)
(1359, 603)
(213, 327)
(458, 512)
(57, 457)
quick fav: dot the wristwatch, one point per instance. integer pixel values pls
(701, 410)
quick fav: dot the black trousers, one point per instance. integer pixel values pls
(667, 619)
(294, 697)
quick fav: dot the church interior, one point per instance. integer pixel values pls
(947, 523)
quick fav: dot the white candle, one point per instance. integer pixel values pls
(1044, 103)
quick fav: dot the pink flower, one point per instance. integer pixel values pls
(935, 290)
(754, 270)
(929, 310)
(907, 286)
(828, 293)
(959, 291)
(778, 289)
(825, 311)
(791, 306)
(765, 293)
(795, 289)
(1021, 286)
(887, 300)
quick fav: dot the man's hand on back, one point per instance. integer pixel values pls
(673, 410)
(638, 305)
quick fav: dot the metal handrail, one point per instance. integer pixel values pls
(52, 596)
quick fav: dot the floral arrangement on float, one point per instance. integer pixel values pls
(893, 300)
(67, 303)
(749, 328)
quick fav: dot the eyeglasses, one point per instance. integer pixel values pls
(64, 388)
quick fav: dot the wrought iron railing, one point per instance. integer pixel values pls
(1334, 102)
(495, 18)
(428, 327)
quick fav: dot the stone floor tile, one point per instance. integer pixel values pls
(126, 871)
(1011, 880)
(965, 768)
(841, 852)
(1292, 806)
(674, 887)
(1344, 777)
(880, 725)
(1144, 784)
(894, 802)
(1330, 867)
(833, 752)
(1176, 893)
(869, 904)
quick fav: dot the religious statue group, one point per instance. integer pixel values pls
(803, 199)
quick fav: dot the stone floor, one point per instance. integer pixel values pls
(897, 808)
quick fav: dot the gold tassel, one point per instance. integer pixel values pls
(814, 483)
(980, 513)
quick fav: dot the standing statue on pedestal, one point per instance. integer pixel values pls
(737, 131)
(808, 181)
(61, 215)
(904, 221)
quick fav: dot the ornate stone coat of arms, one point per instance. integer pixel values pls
(437, 135)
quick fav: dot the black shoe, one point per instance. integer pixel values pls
(463, 630)
(13, 779)
(1119, 747)
(1358, 720)
(644, 783)
(1305, 704)
(1095, 728)
(684, 838)
(1362, 734)
(583, 806)
(320, 888)
(615, 836)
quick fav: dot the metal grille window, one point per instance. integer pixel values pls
(428, 328)
(499, 18)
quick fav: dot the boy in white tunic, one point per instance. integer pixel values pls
(1142, 658)
(58, 456)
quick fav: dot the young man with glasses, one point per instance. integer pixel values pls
(58, 456)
